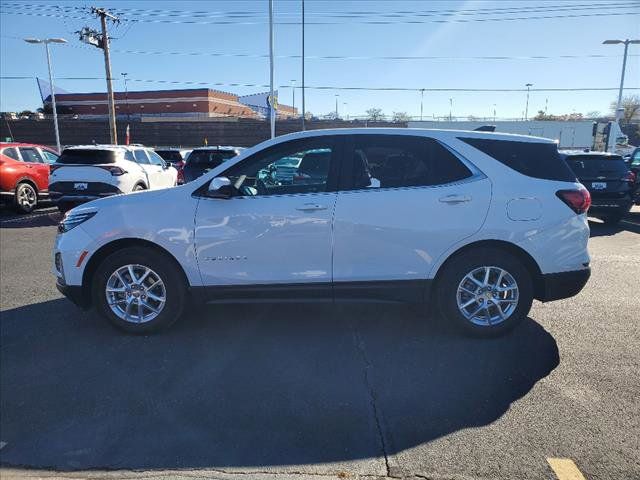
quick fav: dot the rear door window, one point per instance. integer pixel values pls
(155, 159)
(11, 153)
(534, 159)
(30, 155)
(80, 156)
(392, 161)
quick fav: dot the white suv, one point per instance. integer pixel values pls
(477, 223)
(85, 173)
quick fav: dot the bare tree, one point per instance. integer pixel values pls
(375, 114)
(631, 106)
(399, 117)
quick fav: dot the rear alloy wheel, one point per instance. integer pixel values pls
(485, 291)
(139, 290)
(26, 198)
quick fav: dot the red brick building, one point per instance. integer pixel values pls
(197, 102)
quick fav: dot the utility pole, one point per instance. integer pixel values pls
(526, 109)
(304, 112)
(272, 112)
(421, 102)
(494, 112)
(104, 45)
(450, 109)
(337, 116)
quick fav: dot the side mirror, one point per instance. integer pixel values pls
(220, 187)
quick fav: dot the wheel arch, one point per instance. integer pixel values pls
(30, 181)
(107, 249)
(525, 257)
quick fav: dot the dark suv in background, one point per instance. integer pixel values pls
(203, 159)
(609, 180)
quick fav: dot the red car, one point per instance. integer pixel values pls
(24, 174)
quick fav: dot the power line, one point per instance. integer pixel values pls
(365, 22)
(334, 87)
(345, 14)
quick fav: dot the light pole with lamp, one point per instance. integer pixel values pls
(293, 97)
(626, 44)
(126, 95)
(526, 108)
(46, 42)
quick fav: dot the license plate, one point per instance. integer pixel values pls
(80, 186)
(599, 185)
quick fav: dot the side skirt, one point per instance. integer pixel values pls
(389, 291)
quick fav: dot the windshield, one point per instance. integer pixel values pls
(597, 165)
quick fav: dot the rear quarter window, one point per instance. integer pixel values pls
(86, 157)
(537, 160)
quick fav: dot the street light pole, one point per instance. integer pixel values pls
(126, 96)
(421, 102)
(293, 95)
(46, 42)
(272, 116)
(304, 112)
(450, 109)
(526, 109)
(337, 105)
(494, 112)
(626, 43)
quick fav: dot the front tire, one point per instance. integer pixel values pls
(26, 198)
(139, 290)
(484, 292)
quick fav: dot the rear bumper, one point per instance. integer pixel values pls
(62, 192)
(74, 293)
(556, 286)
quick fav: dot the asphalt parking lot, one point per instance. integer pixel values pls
(314, 391)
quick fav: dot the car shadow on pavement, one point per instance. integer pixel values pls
(249, 386)
(47, 218)
(630, 223)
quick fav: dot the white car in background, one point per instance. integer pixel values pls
(88, 172)
(478, 224)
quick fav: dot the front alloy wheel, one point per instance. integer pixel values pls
(139, 289)
(135, 293)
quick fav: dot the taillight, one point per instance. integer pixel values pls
(115, 171)
(630, 177)
(578, 200)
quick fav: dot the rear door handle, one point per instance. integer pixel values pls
(455, 199)
(310, 207)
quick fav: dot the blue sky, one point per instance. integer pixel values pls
(553, 37)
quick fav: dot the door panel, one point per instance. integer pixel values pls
(272, 231)
(36, 168)
(397, 234)
(265, 239)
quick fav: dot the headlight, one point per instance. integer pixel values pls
(73, 220)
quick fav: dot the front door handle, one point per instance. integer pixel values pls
(455, 199)
(310, 207)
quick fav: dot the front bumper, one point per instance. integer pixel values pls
(74, 293)
(556, 286)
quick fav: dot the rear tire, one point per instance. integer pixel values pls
(479, 308)
(65, 207)
(26, 198)
(113, 283)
